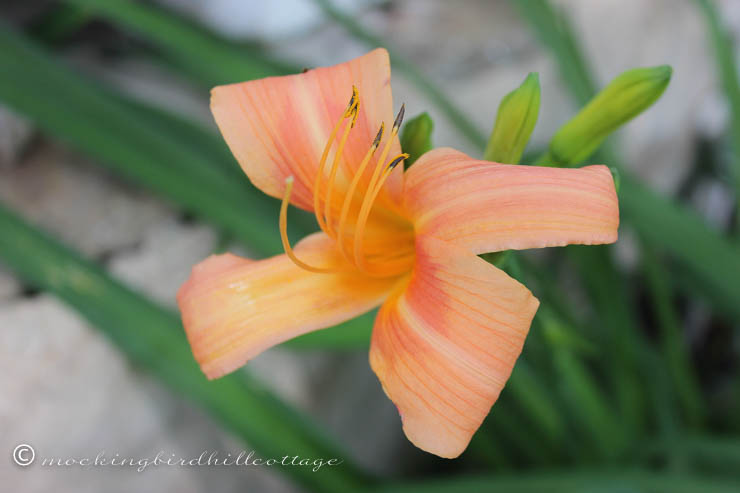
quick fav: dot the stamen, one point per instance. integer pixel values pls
(284, 233)
(352, 111)
(352, 101)
(386, 149)
(353, 186)
(367, 207)
(356, 97)
(399, 118)
(320, 172)
(378, 136)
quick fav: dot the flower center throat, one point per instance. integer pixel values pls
(346, 224)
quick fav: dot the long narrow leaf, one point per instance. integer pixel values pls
(728, 72)
(153, 338)
(609, 481)
(86, 116)
(216, 62)
(202, 54)
(675, 348)
(713, 261)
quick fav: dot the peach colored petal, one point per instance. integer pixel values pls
(489, 207)
(234, 308)
(278, 126)
(444, 348)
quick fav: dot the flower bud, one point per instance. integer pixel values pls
(416, 137)
(515, 120)
(623, 99)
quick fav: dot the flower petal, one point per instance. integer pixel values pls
(444, 348)
(234, 308)
(278, 126)
(489, 207)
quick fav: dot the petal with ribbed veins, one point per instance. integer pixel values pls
(278, 126)
(444, 346)
(235, 308)
(490, 207)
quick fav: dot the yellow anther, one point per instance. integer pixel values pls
(352, 102)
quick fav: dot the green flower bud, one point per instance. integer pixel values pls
(515, 120)
(416, 137)
(624, 98)
(499, 259)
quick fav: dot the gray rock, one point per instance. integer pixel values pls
(69, 394)
(61, 192)
(15, 133)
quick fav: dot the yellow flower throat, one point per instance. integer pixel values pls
(345, 226)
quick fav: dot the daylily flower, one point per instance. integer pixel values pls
(451, 325)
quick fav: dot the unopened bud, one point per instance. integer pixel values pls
(515, 120)
(623, 99)
(416, 137)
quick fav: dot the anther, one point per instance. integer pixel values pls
(378, 137)
(351, 106)
(399, 118)
(397, 160)
(353, 112)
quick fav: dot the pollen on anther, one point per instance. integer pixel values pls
(399, 117)
(379, 136)
(353, 102)
(397, 160)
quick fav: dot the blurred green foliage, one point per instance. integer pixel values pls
(596, 399)
(728, 74)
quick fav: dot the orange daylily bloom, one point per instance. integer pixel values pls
(451, 325)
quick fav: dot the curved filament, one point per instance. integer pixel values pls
(284, 234)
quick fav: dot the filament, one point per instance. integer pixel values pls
(284, 233)
(395, 262)
(353, 186)
(335, 164)
(365, 209)
(353, 101)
